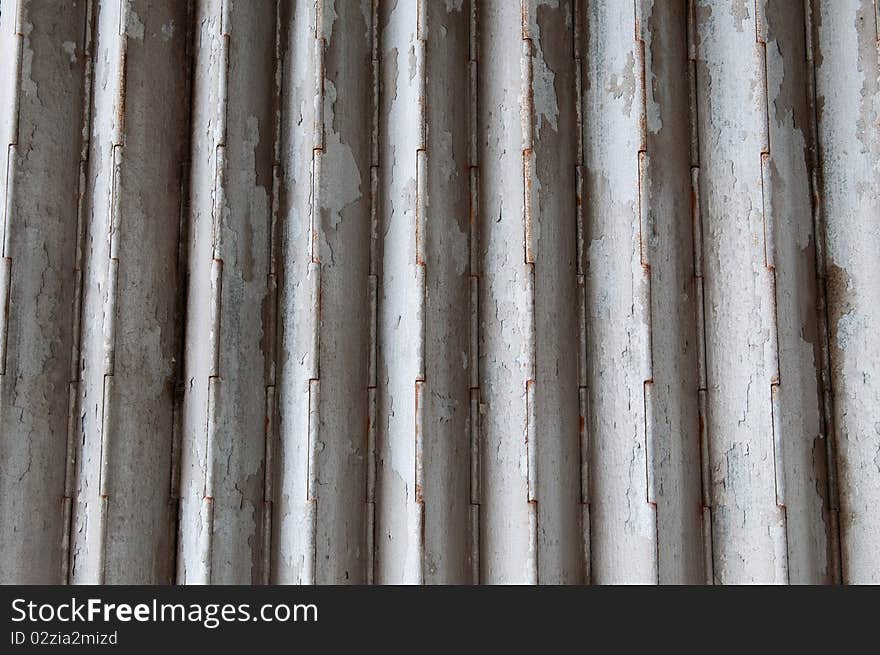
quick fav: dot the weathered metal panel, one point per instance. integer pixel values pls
(405, 291)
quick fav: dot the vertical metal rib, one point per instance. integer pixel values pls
(81, 222)
(271, 316)
(372, 381)
(474, 299)
(849, 198)
(129, 328)
(229, 328)
(551, 204)
(444, 199)
(748, 525)
(697, 231)
(832, 518)
(40, 148)
(580, 266)
(508, 544)
(667, 245)
(402, 293)
(618, 293)
(790, 249)
(320, 531)
(293, 538)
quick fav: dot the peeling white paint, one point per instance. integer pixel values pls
(134, 27)
(168, 30)
(69, 48)
(343, 187)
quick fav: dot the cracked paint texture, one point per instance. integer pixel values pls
(417, 292)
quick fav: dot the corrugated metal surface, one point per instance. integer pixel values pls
(550, 291)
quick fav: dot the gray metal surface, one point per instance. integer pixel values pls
(423, 291)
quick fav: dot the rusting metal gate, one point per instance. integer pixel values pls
(439, 291)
